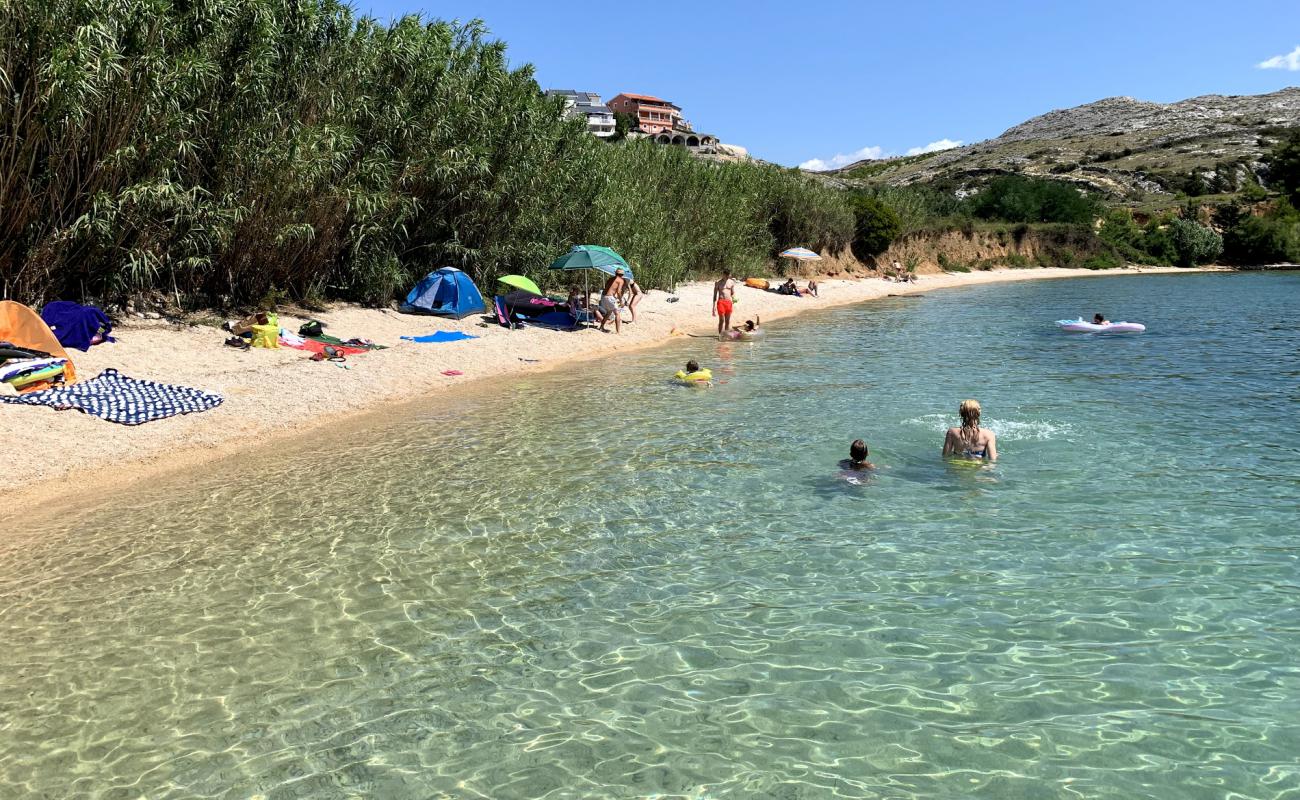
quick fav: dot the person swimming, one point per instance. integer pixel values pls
(693, 375)
(1098, 319)
(970, 441)
(857, 460)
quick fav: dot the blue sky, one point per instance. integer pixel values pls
(796, 81)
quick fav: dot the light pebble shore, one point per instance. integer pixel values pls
(277, 393)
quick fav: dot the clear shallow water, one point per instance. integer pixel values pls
(619, 588)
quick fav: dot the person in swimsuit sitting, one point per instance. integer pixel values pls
(857, 460)
(750, 326)
(1098, 319)
(970, 441)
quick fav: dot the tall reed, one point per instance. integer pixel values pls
(215, 151)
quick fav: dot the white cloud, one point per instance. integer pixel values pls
(934, 147)
(873, 152)
(1290, 61)
(842, 159)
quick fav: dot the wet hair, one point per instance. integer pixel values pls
(970, 415)
(692, 366)
(858, 450)
(1097, 319)
(749, 324)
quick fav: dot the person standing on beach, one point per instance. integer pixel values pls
(609, 300)
(724, 295)
(633, 294)
(970, 441)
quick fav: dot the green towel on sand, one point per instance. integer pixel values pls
(327, 339)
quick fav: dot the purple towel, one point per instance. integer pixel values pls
(75, 324)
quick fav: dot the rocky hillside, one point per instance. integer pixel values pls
(1124, 147)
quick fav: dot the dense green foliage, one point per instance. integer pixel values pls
(1284, 167)
(875, 226)
(1163, 240)
(1015, 198)
(1268, 239)
(218, 151)
(919, 207)
(1193, 243)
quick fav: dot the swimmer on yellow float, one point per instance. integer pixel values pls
(694, 376)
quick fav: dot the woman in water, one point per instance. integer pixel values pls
(970, 440)
(1098, 319)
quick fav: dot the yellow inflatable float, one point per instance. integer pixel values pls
(700, 377)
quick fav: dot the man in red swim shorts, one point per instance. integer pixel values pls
(724, 294)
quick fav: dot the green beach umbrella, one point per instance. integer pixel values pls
(520, 282)
(592, 256)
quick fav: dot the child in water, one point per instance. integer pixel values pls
(694, 375)
(857, 460)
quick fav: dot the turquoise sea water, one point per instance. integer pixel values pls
(600, 585)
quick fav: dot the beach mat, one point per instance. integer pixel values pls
(118, 398)
(314, 346)
(440, 337)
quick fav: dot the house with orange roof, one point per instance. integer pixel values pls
(652, 114)
(661, 121)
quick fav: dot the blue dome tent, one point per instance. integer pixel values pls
(447, 292)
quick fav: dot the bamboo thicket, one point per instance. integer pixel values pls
(218, 150)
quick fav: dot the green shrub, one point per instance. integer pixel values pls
(948, 265)
(1105, 260)
(1249, 239)
(1194, 243)
(1284, 167)
(876, 226)
(1014, 198)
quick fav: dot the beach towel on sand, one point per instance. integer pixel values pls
(117, 398)
(76, 325)
(439, 337)
(313, 346)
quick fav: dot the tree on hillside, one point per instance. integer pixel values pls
(1015, 198)
(1194, 243)
(623, 123)
(1284, 167)
(875, 226)
(1248, 239)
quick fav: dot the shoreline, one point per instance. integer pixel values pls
(276, 395)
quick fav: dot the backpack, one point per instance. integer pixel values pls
(311, 328)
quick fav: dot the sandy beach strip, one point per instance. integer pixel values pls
(269, 394)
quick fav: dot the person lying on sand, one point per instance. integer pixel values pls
(857, 460)
(789, 288)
